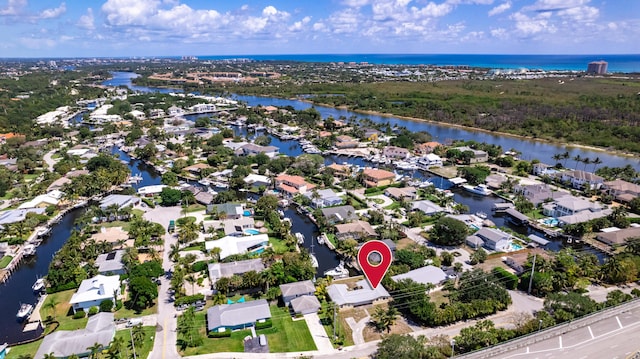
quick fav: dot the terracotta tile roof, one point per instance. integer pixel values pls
(378, 174)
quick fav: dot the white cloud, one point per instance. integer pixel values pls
(555, 5)
(54, 12)
(356, 3)
(87, 21)
(126, 12)
(580, 13)
(529, 26)
(37, 43)
(300, 25)
(500, 8)
(500, 33)
(14, 7)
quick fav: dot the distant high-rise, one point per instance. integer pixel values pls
(597, 67)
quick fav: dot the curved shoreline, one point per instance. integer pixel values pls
(467, 128)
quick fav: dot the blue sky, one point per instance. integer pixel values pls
(53, 28)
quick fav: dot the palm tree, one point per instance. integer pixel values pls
(50, 356)
(557, 157)
(219, 298)
(585, 161)
(51, 304)
(94, 349)
(578, 159)
(138, 334)
(565, 157)
(215, 253)
(596, 161)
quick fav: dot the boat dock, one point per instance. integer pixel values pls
(502, 207)
(35, 320)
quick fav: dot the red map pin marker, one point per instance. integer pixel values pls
(374, 257)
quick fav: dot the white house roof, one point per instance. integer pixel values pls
(252, 178)
(118, 199)
(17, 215)
(232, 315)
(97, 288)
(230, 245)
(425, 275)
(151, 189)
(51, 198)
(341, 295)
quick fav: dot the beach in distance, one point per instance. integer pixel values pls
(617, 63)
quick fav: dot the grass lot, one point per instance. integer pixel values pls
(196, 247)
(370, 333)
(63, 312)
(147, 344)
(395, 205)
(285, 336)
(195, 208)
(332, 238)
(30, 349)
(278, 245)
(438, 297)
(130, 313)
(31, 176)
(4, 262)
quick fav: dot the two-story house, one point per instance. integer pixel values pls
(290, 186)
(582, 180)
(396, 152)
(376, 177)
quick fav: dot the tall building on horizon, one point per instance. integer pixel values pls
(597, 67)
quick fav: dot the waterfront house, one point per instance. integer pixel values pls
(175, 111)
(138, 115)
(227, 270)
(156, 113)
(371, 134)
(424, 275)
(427, 207)
(119, 200)
(202, 108)
(323, 198)
(236, 316)
(111, 263)
(94, 290)
(582, 180)
(204, 198)
(495, 239)
(149, 191)
(618, 236)
(541, 169)
(621, 190)
(232, 245)
(44, 200)
(402, 194)
(197, 168)
(396, 152)
(294, 290)
(344, 141)
(340, 214)
(478, 155)
(290, 186)
(358, 230)
(430, 160)
(347, 298)
(539, 193)
(376, 177)
(568, 206)
(226, 210)
(251, 149)
(100, 329)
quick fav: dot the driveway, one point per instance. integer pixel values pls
(320, 337)
(48, 159)
(164, 345)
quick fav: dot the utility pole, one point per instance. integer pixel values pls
(133, 344)
(533, 267)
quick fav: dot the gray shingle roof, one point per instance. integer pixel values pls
(305, 304)
(424, 275)
(341, 295)
(219, 270)
(110, 262)
(297, 288)
(233, 315)
(341, 213)
(62, 343)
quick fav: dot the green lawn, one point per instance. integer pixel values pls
(287, 335)
(123, 224)
(278, 245)
(63, 312)
(17, 351)
(147, 345)
(394, 205)
(195, 208)
(197, 247)
(130, 313)
(4, 262)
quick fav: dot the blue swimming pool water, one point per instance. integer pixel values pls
(247, 213)
(516, 246)
(251, 231)
(550, 221)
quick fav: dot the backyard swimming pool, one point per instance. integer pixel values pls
(251, 231)
(515, 247)
(247, 213)
(552, 222)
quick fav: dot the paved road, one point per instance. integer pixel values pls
(48, 159)
(164, 345)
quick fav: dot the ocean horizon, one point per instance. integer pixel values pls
(617, 63)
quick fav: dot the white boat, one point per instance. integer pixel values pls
(29, 250)
(38, 285)
(320, 240)
(480, 189)
(300, 237)
(135, 179)
(338, 272)
(481, 215)
(281, 213)
(24, 311)
(314, 260)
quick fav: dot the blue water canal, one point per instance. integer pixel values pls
(17, 289)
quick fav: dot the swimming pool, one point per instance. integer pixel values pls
(247, 213)
(515, 247)
(251, 231)
(550, 221)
